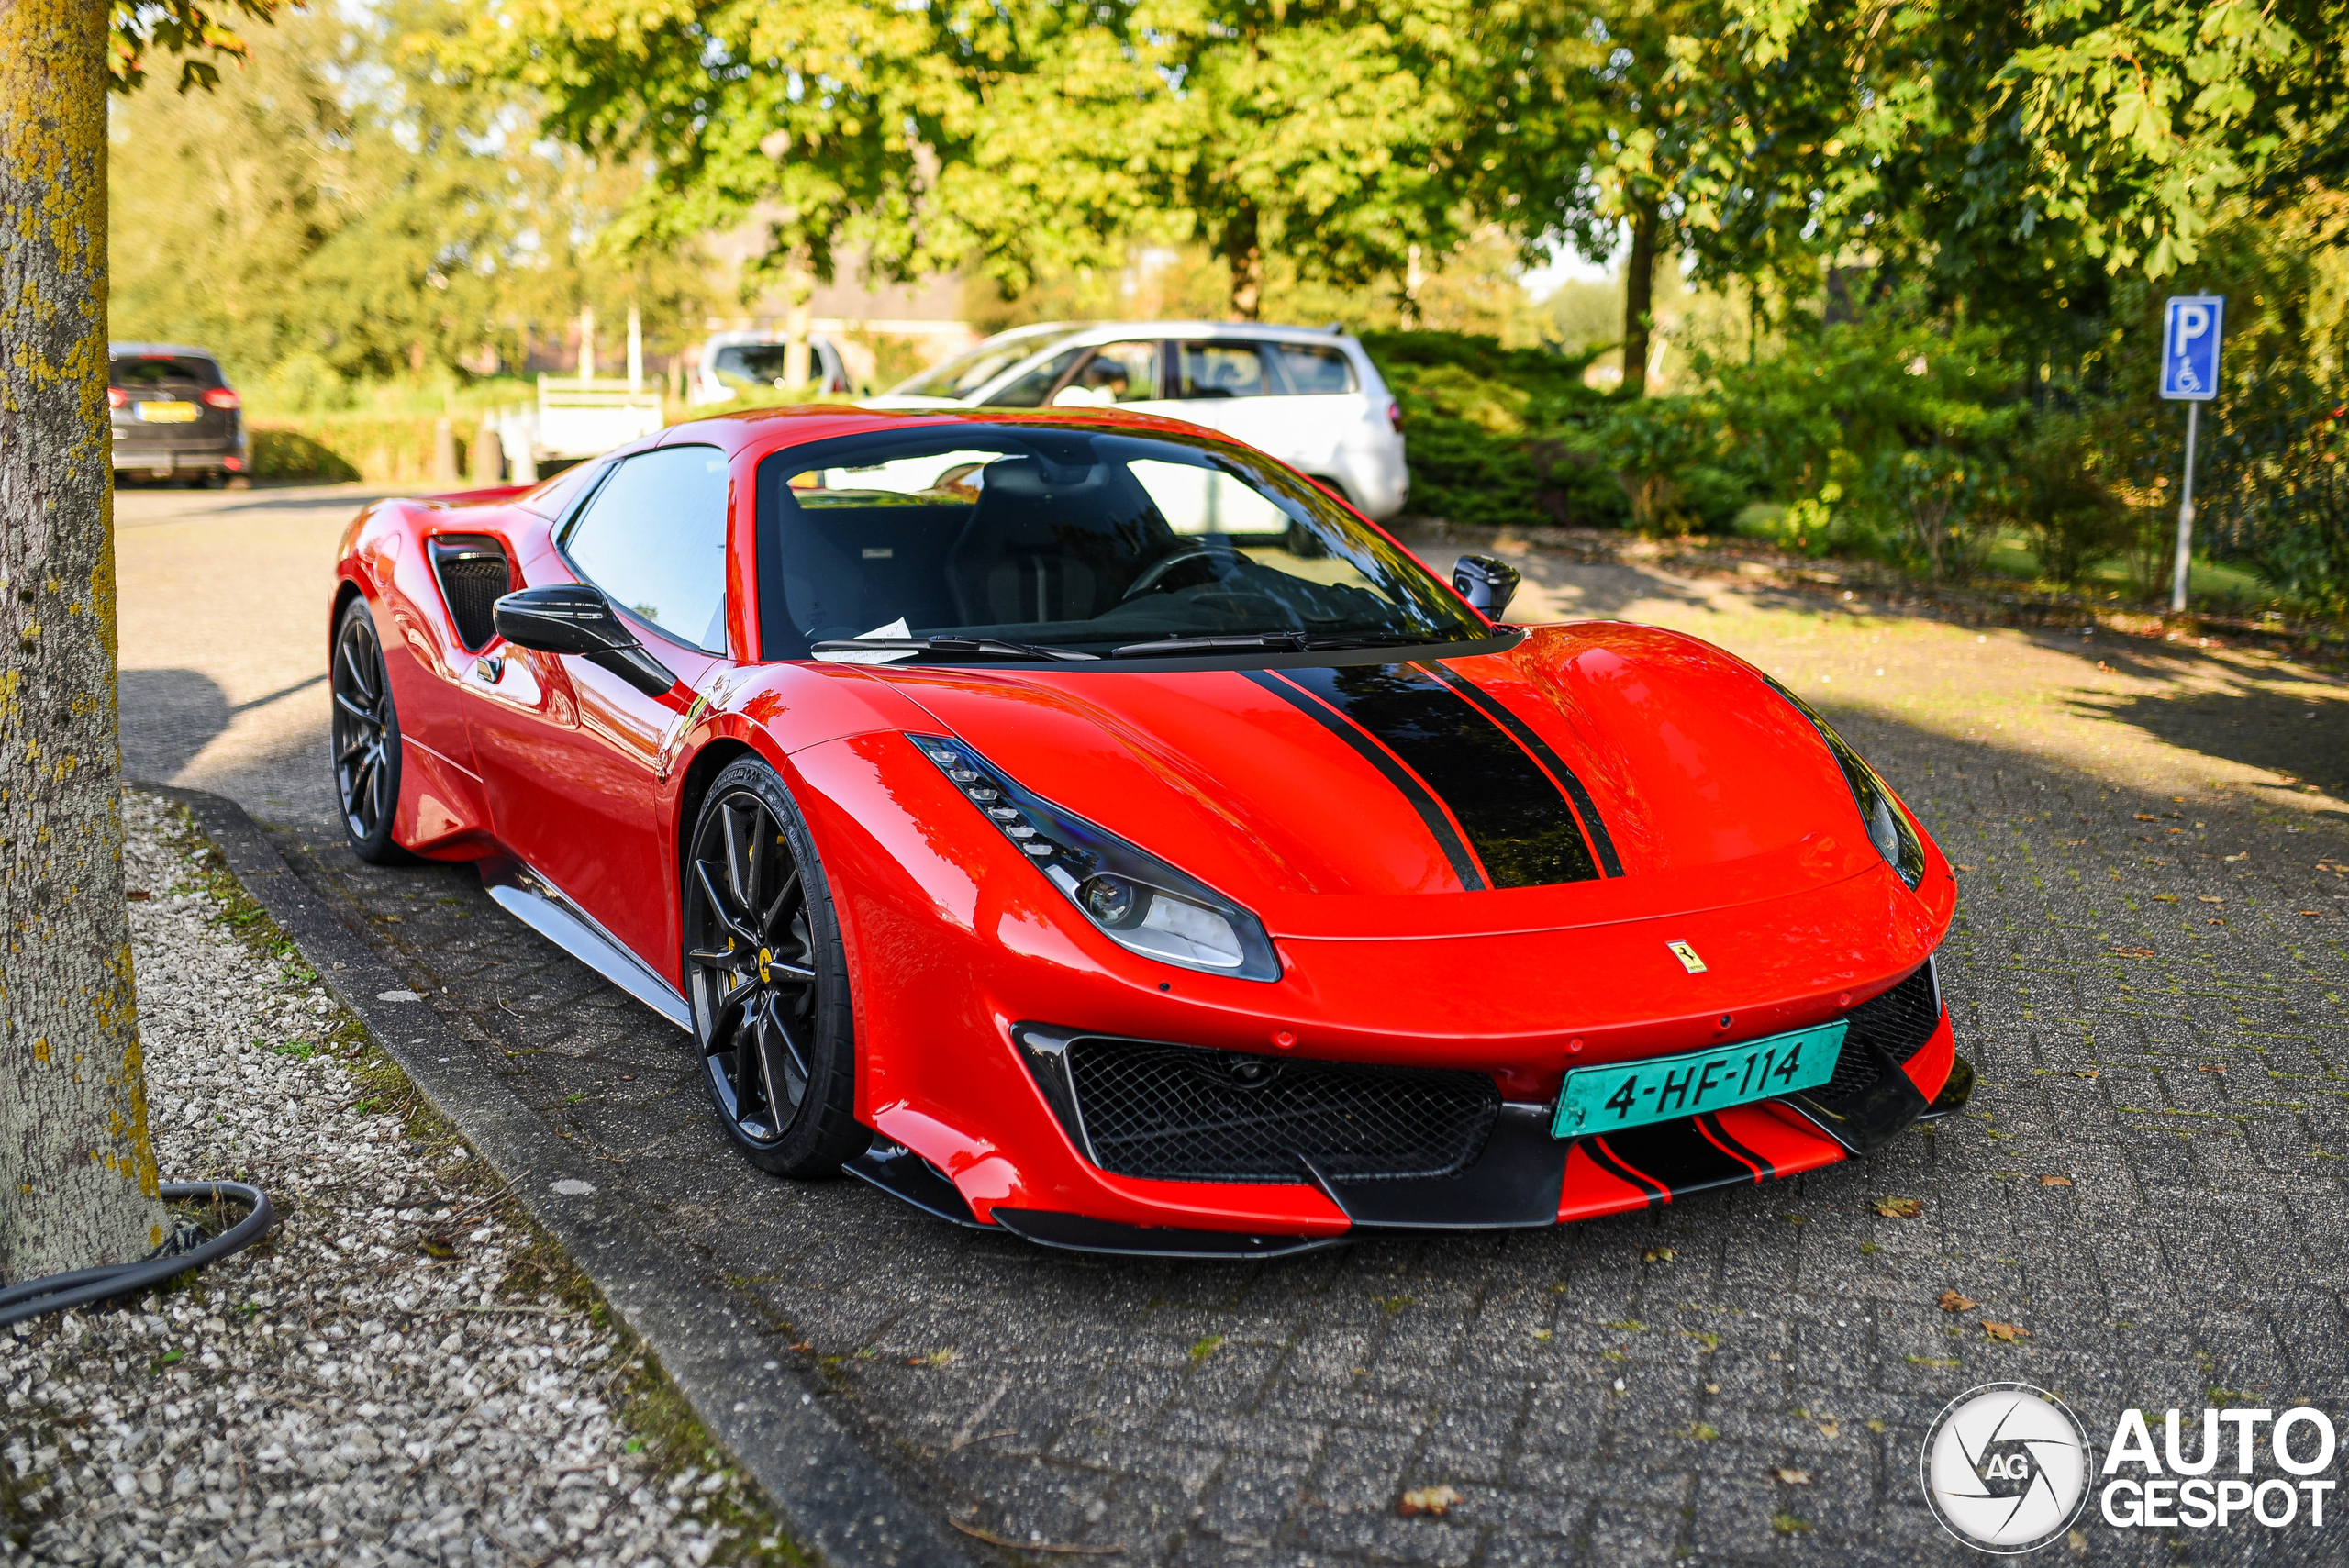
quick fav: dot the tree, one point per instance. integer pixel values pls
(1018, 139)
(365, 211)
(78, 1186)
(1342, 134)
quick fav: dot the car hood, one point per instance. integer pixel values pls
(1592, 773)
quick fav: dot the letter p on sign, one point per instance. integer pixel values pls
(2191, 333)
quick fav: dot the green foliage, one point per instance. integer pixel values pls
(1496, 436)
(1664, 451)
(341, 210)
(183, 27)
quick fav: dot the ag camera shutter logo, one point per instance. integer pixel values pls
(2006, 1467)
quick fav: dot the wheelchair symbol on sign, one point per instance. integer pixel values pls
(2190, 347)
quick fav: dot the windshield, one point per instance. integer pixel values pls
(158, 370)
(963, 375)
(1070, 536)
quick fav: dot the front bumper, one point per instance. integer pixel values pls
(1520, 1177)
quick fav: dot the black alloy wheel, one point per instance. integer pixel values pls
(768, 980)
(366, 739)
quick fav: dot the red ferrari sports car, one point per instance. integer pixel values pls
(1088, 828)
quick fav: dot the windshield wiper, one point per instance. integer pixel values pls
(956, 645)
(1272, 641)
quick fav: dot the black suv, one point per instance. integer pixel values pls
(174, 414)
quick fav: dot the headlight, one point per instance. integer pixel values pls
(1129, 895)
(1888, 826)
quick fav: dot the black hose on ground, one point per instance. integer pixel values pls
(62, 1293)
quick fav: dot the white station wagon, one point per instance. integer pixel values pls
(1309, 397)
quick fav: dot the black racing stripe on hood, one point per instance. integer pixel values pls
(1522, 826)
(1548, 756)
(1463, 864)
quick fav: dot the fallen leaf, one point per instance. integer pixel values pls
(1831, 1428)
(2085, 1073)
(2214, 920)
(1952, 1302)
(2206, 898)
(1658, 1255)
(1900, 1208)
(2314, 913)
(1792, 1476)
(1786, 1524)
(2164, 898)
(1436, 1500)
(137, 895)
(1965, 867)
(2231, 859)
(2147, 816)
(2055, 1181)
(804, 1346)
(2005, 1333)
(2071, 841)
(2132, 952)
(436, 1246)
(2212, 1067)
(1057, 1548)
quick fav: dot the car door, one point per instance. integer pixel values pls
(572, 758)
(1296, 401)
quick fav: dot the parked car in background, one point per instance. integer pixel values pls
(732, 360)
(174, 414)
(1309, 397)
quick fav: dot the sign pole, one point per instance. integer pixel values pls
(2185, 515)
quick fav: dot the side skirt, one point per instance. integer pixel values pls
(539, 905)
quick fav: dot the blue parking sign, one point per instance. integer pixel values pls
(2190, 346)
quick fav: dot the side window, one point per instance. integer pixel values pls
(1031, 389)
(1223, 370)
(654, 537)
(1118, 373)
(1313, 369)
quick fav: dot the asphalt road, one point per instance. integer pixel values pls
(2147, 971)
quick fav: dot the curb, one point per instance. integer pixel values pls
(832, 1495)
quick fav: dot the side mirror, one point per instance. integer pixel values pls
(1485, 583)
(572, 618)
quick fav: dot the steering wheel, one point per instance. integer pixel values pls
(1157, 570)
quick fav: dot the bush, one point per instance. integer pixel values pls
(379, 449)
(1496, 436)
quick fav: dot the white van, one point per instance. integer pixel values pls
(732, 359)
(1309, 397)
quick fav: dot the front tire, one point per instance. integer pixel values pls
(768, 979)
(366, 739)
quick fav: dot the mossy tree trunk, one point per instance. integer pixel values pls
(77, 1174)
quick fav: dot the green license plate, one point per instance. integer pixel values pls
(1665, 1088)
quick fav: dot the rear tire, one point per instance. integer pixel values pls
(366, 747)
(767, 975)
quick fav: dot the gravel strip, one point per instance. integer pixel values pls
(406, 1375)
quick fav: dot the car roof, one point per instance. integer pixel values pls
(177, 350)
(1195, 329)
(746, 429)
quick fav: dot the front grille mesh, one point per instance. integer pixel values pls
(1179, 1112)
(472, 579)
(1901, 1021)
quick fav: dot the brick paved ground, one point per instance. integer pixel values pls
(2156, 1022)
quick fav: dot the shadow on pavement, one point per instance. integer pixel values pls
(167, 716)
(2292, 735)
